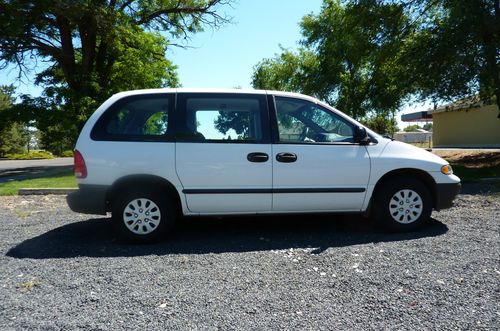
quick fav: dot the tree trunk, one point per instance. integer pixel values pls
(88, 32)
(496, 51)
(492, 50)
(67, 57)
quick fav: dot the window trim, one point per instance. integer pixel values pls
(98, 132)
(181, 100)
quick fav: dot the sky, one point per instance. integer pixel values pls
(224, 58)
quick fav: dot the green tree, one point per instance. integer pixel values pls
(14, 139)
(14, 136)
(93, 49)
(455, 49)
(6, 100)
(412, 128)
(349, 58)
(288, 72)
(369, 56)
(383, 123)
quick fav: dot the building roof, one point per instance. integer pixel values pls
(465, 103)
(419, 116)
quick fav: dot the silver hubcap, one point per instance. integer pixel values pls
(406, 206)
(141, 216)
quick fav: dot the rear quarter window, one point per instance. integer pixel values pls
(136, 118)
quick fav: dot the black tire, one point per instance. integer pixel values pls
(150, 228)
(397, 216)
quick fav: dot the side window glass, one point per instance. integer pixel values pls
(305, 122)
(223, 119)
(136, 118)
(119, 121)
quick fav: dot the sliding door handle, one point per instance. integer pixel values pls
(286, 157)
(257, 157)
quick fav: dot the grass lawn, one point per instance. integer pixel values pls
(473, 174)
(60, 180)
(422, 144)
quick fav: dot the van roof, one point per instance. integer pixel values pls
(215, 90)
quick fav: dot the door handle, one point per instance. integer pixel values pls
(286, 157)
(257, 157)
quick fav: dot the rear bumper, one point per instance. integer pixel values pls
(445, 194)
(89, 199)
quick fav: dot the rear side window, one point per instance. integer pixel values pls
(222, 118)
(136, 118)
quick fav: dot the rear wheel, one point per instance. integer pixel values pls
(402, 204)
(143, 216)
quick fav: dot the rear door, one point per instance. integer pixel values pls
(316, 164)
(223, 152)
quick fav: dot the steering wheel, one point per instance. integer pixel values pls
(304, 133)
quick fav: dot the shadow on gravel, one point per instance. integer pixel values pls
(94, 238)
(480, 188)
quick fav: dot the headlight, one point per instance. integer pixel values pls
(446, 169)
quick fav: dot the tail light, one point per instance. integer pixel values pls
(80, 168)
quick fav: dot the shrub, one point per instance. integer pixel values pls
(13, 139)
(67, 153)
(31, 155)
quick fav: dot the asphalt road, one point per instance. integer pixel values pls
(64, 271)
(6, 165)
(22, 169)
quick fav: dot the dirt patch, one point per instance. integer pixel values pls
(471, 159)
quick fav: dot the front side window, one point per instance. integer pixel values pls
(302, 121)
(223, 118)
(135, 118)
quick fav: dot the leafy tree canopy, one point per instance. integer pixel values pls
(14, 136)
(348, 58)
(383, 123)
(412, 128)
(288, 71)
(369, 56)
(454, 50)
(91, 49)
(6, 101)
(6, 96)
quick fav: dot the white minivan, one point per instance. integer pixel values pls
(150, 156)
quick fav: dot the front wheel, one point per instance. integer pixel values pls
(402, 204)
(142, 216)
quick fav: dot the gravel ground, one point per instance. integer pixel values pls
(60, 270)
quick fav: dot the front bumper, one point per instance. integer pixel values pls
(89, 199)
(445, 194)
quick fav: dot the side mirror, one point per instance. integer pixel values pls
(360, 136)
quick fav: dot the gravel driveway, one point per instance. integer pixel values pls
(60, 270)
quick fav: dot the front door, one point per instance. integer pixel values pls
(316, 164)
(223, 153)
